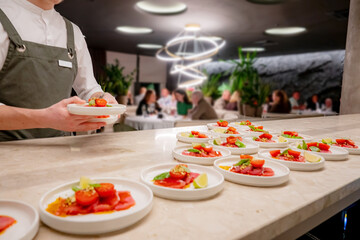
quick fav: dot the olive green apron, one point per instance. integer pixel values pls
(35, 76)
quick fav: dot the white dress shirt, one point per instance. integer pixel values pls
(48, 27)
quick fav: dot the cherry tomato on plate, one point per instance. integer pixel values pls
(86, 197)
(266, 135)
(106, 190)
(100, 102)
(275, 153)
(178, 172)
(294, 153)
(257, 163)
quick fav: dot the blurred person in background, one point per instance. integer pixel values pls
(313, 103)
(202, 109)
(183, 104)
(221, 102)
(234, 101)
(130, 100)
(294, 101)
(148, 105)
(165, 100)
(141, 95)
(280, 102)
(328, 105)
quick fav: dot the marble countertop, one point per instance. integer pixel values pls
(32, 167)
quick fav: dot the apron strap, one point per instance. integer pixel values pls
(70, 38)
(11, 31)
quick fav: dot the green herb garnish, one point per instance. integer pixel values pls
(245, 162)
(94, 185)
(75, 188)
(290, 136)
(162, 176)
(191, 135)
(203, 145)
(314, 149)
(193, 150)
(239, 144)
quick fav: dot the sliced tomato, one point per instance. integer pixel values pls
(246, 156)
(294, 153)
(268, 172)
(312, 144)
(198, 147)
(231, 139)
(275, 153)
(291, 133)
(219, 123)
(170, 182)
(260, 127)
(340, 141)
(100, 102)
(324, 146)
(194, 132)
(106, 190)
(5, 222)
(232, 129)
(86, 197)
(265, 135)
(200, 135)
(257, 163)
(224, 124)
(350, 142)
(208, 149)
(178, 172)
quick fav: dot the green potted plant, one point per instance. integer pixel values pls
(245, 79)
(210, 88)
(116, 82)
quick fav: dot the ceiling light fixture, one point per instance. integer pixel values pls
(149, 46)
(285, 30)
(253, 49)
(134, 30)
(161, 7)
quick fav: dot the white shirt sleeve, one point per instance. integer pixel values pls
(85, 84)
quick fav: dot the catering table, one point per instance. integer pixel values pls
(152, 122)
(32, 167)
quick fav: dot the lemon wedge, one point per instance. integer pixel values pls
(219, 130)
(85, 182)
(225, 167)
(184, 134)
(311, 158)
(201, 181)
(282, 139)
(217, 141)
(327, 140)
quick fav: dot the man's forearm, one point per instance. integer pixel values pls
(12, 118)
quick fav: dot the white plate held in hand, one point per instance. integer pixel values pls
(115, 109)
(215, 183)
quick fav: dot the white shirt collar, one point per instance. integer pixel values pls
(33, 8)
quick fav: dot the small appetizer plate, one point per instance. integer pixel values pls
(281, 173)
(216, 132)
(275, 144)
(354, 151)
(85, 109)
(214, 125)
(98, 223)
(215, 183)
(177, 154)
(253, 133)
(238, 126)
(293, 165)
(109, 120)
(306, 138)
(337, 153)
(250, 148)
(182, 138)
(27, 220)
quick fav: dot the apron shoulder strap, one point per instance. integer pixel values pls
(70, 38)
(10, 29)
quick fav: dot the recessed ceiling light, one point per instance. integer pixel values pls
(149, 46)
(162, 7)
(285, 30)
(192, 27)
(266, 1)
(253, 49)
(134, 30)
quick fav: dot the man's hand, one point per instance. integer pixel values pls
(58, 117)
(107, 96)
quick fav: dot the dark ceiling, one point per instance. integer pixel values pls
(240, 22)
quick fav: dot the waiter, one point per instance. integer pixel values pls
(42, 57)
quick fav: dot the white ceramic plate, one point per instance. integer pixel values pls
(250, 148)
(238, 126)
(337, 153)
(27, 220)
(198, 160)
(215, 183)
(281, 173)
(300, 166)
(193, 140)
(306, 138)
(225, 135)
(247, 132)
(275, 144)
(115, 109)
(214, 125)
(354, 151)
(98, 223)
(110, 120)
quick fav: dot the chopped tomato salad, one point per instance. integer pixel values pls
(234, 142)
(95, 198)
(315, 147)
(6, 222)
(201, 150)
(291, 134)
(265, 137)
(250, 166)
(179, 177)
(347, 143)
(196, 134)
(256, 129)
(287, 155)
(97, 102)
(231, 130)
(247, 123)
(222, 123)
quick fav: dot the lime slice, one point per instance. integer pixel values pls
(327, 140)
(184, 134)
(282, 139)
(217, 141)
(219, 130)
(311, 158)
(85, 182)
(201, 181)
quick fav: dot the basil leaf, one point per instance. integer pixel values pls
(92, 102)
(299, 147)
(203, 145)
(284, 152)
(191, 135)
(194, 150)
(221, 120)
(304, 145)
(95, 185)
(289, 136)
(252, 127)
(107, 105)
(162, 176)
(245, 162)
(314, 149)
(75, 188)
(239, 144)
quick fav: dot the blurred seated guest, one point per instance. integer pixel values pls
(183, 103)
(280, 103)
(148, 105)
(202, 109)
(328, 106)
(313, 103)
(141, 95)
(294, 101)
(233, 103)
(221, 102)
(165, 100)
(130, 100)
